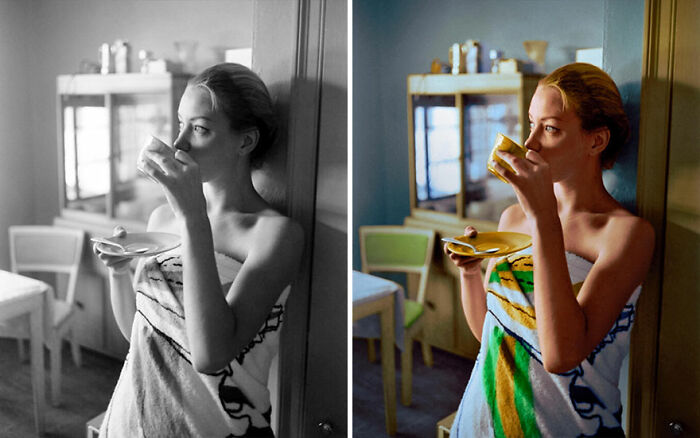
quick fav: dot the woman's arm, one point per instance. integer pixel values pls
(569, 327)
(472, 286)
(219, 326)
(123, 300)
(473, 296)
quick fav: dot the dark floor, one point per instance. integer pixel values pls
(436, 393)
(85, 393)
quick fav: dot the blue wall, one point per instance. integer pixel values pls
(622, 59)
(394, 38)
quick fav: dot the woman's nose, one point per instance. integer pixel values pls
(531, 142)
(181, 143)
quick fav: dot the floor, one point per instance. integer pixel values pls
(436, 393)
(85, 393)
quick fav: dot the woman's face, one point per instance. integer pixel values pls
(206, 134)
(555, 133)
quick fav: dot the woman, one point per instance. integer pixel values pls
(203, 323)
(554, 371)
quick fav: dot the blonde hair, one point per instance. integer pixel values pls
(595, 99)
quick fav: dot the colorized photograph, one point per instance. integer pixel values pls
(522, 218)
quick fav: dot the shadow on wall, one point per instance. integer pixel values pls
(621, 180)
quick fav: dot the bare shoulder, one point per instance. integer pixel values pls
(278, 234)
(161, 218)
(513, 219)
(629, 236)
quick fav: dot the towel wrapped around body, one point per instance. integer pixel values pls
(160, 394)
(510, 394)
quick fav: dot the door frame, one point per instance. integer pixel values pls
(288, 40)
(654, 127)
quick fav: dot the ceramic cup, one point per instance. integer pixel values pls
(504, 143)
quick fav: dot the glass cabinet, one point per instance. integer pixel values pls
(104, 120)
(452, 122)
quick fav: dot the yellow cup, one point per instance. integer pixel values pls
(504, 143)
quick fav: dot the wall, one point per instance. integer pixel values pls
(392, 40)
(622, 59)
(15, 147)
(63, 33)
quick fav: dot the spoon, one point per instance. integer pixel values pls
(476, 251)
(118, 245)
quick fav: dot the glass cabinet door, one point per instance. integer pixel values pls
(486, 115)
(136, 118)
(437, 152)
(86, 153)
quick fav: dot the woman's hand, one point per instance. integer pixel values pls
(467, 265)
(532, 182)
(177, 173)
(116, 264)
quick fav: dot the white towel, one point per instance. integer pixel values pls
(159, 393)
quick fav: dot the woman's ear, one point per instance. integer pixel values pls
(250, 141)
(600, 138)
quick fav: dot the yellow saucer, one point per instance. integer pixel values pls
(506, 242)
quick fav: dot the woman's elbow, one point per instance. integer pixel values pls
(209, 363)
(559, 363)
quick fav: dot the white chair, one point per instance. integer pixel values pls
(48, 249)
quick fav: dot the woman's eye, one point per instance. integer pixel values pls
(179, 126)
(551, 129)
(199, 129)
(532, 125)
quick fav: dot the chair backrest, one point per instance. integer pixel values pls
(40, 248)
(395, 248)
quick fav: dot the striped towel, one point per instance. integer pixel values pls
(510, 394)
(160, 394)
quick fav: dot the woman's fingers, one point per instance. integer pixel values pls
(166, 162)
(459, 260)
(519, 165)
(150, 169)
(535, 157)
(505, 173)
(470, 231)
(113, 262)
(184, 158)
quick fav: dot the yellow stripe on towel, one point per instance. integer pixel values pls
(524, 315)
(505, 391)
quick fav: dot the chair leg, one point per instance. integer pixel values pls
(406, 370)
(75, 349)
(55, 351)
(22, 352)
(427, 354)
(371, 354)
